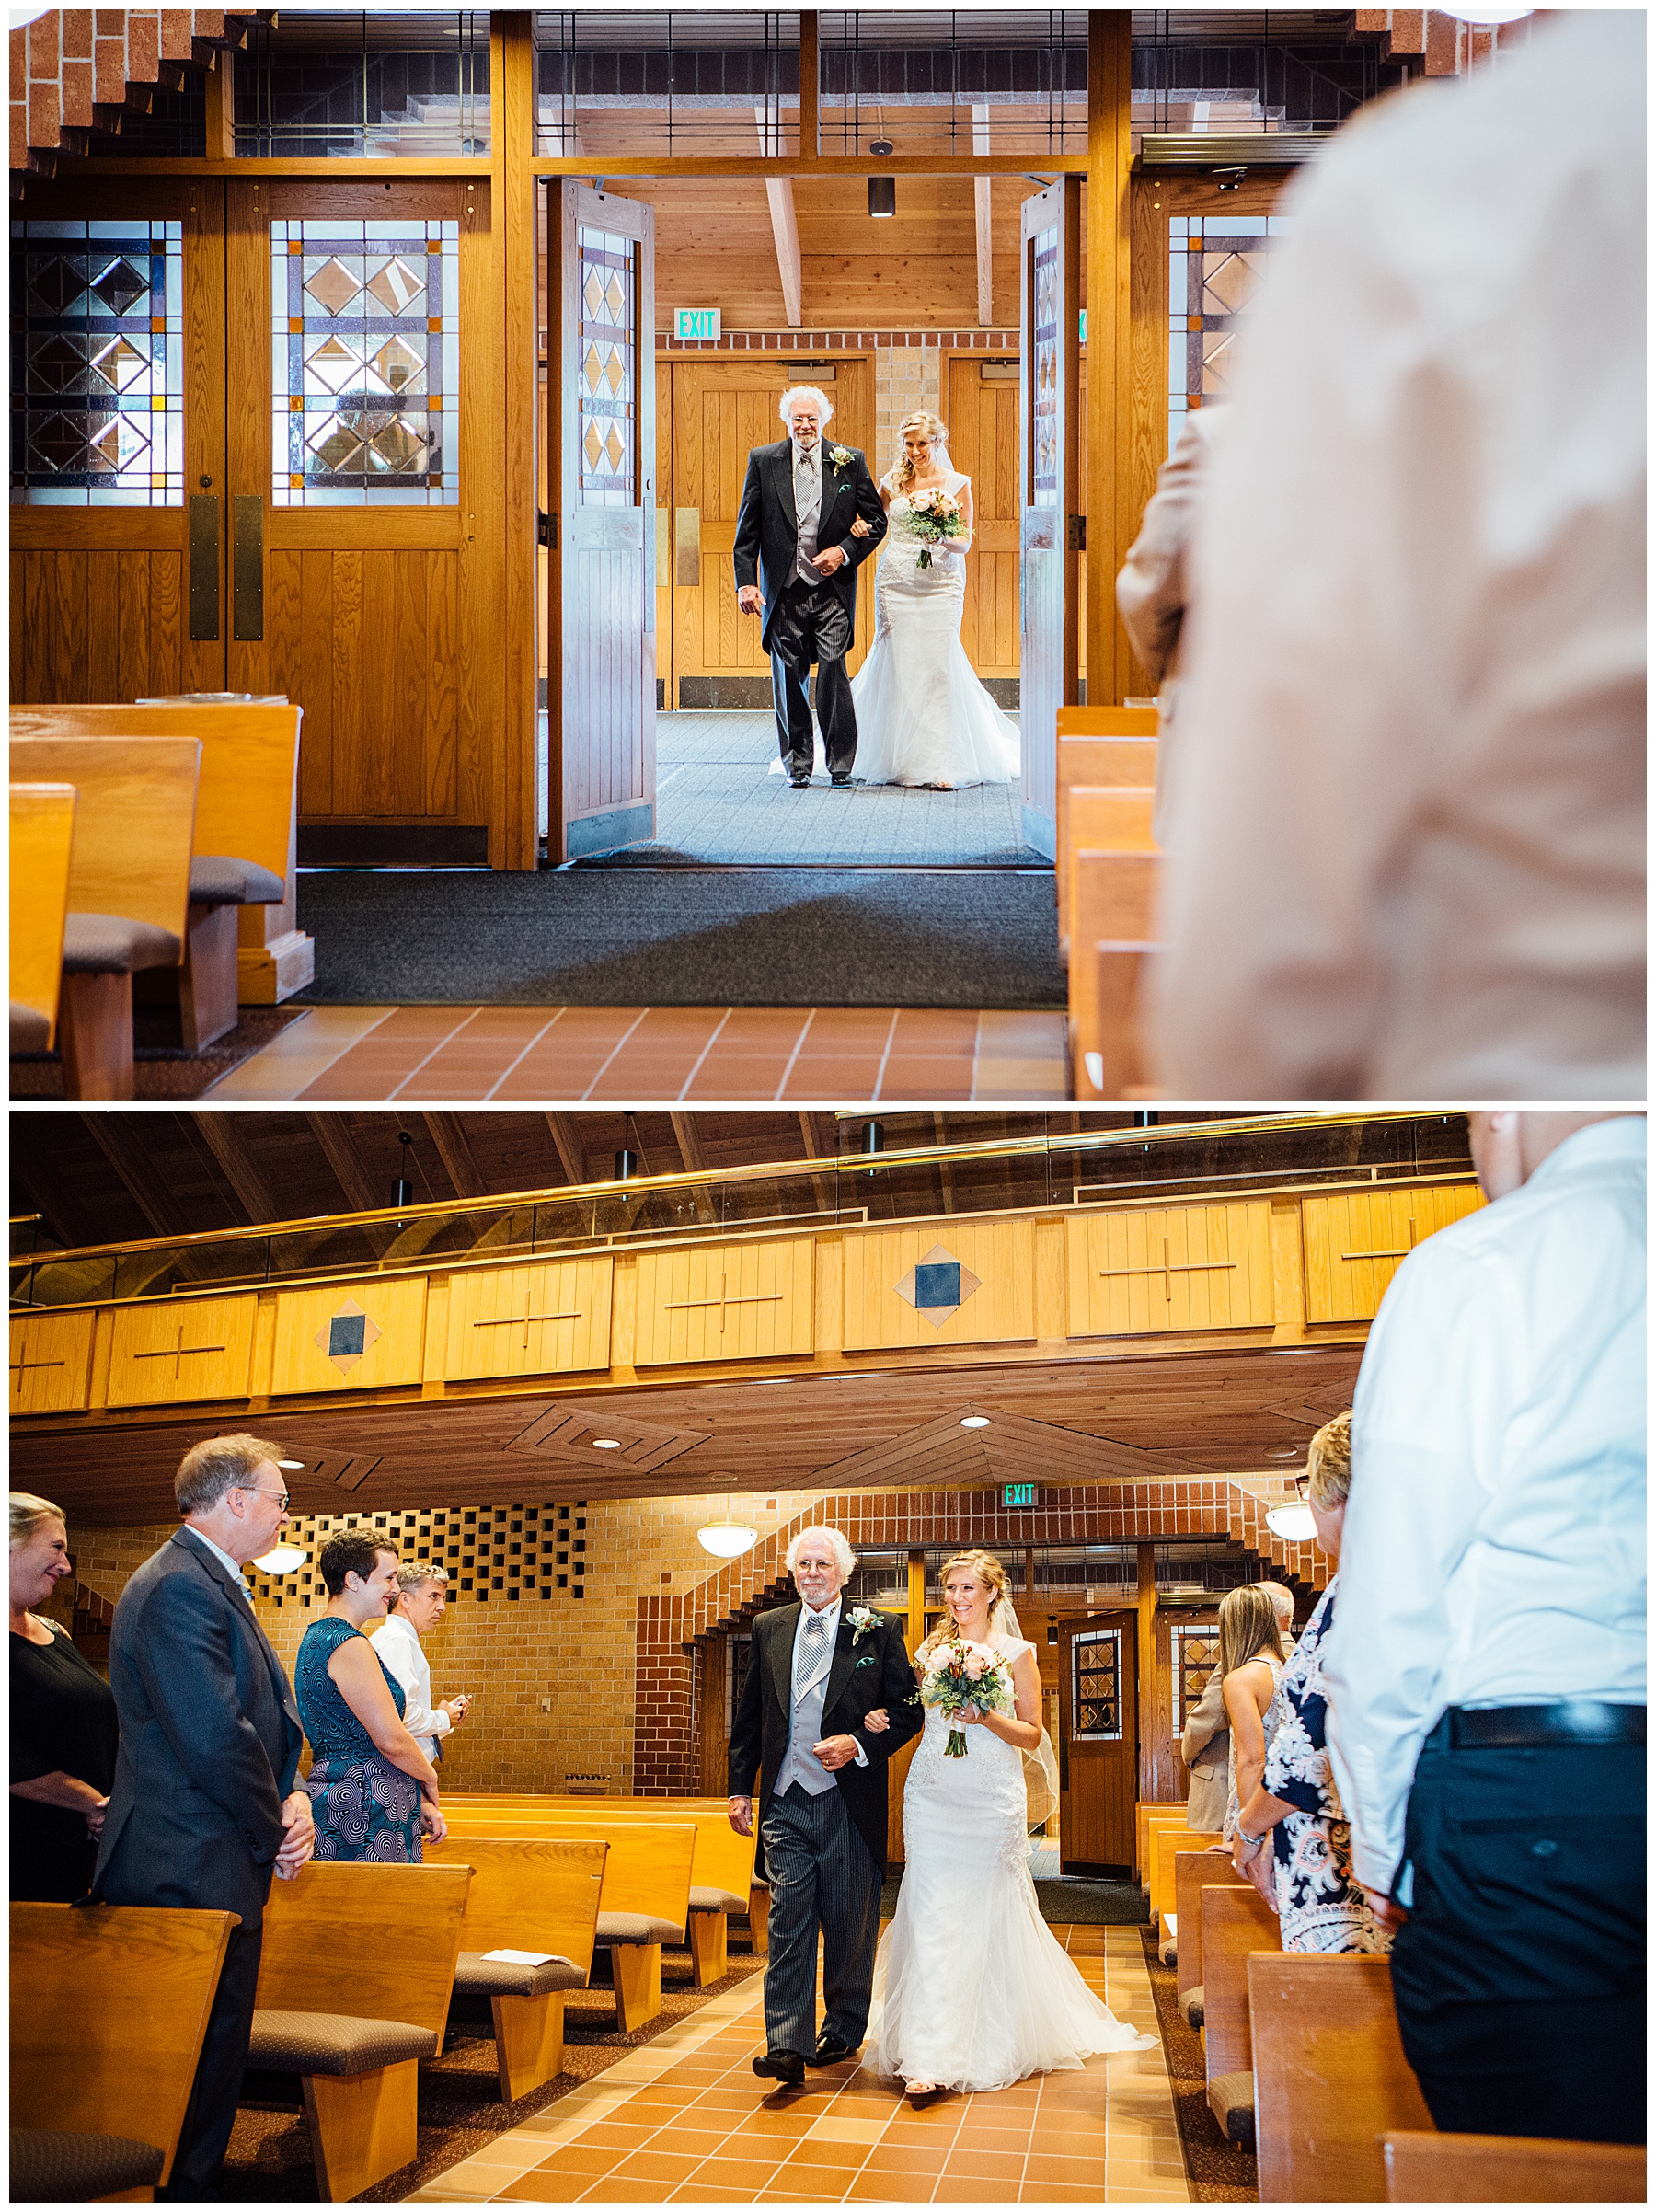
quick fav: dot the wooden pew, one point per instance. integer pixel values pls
(1108, 763)
(43, 833)
(1192, 1873)
(1235, 1921)
(1423, 2169)
(1117, 900)
(129, 887)
(109, 2009)
(1148, 1813)
(1106, 818)
(528, 1894)
(1168, 1842)
(1108, 722)
(354, 1982)
(242, 855)
(646, 1900)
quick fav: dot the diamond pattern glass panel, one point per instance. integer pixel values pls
(1095, 1685)
(1215, 266)
(98, 381)
(607, 388)
(1044, 472)
(1195, 1654)
(365, 359)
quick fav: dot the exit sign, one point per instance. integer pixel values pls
(696, 322)
(1019, 1493)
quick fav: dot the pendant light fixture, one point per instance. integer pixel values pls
(1292, 1521)
(882, 196)
(402, 1192)
(628, 1163)
(727, 1539)
(283, 1560)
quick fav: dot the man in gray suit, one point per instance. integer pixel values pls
(813, 1678)
(203, 1808)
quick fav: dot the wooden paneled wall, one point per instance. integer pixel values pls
(96, 626)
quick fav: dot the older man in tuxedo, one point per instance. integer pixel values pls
(203, 1809)
(798, 502)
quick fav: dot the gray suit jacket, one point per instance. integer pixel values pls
(1206, 1747)
(210, 1742)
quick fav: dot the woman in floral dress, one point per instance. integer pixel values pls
(1307, 1873)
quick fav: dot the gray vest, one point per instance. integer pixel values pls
(805, 1721)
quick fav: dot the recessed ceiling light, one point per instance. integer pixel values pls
(293, 1467)
(975, 1421)
(606, 1443)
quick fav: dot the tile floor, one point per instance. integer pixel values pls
(684, 2120)
(511, 1054)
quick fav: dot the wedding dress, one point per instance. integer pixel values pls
(922, 715)
(972, 1988)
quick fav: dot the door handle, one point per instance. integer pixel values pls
(686, 546)
(247, 566)
(203, 565)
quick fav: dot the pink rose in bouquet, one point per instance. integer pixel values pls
(965, 1677)
(933, 515)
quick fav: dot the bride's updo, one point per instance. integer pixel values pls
(983, 1564)
(902, 479)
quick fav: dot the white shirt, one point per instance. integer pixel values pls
(222, 1557)
(808, 509)
(1408, 792)
(401, 1654)
(1494, 1542)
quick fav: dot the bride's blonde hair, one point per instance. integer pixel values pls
(988, 1569)
(903, 475)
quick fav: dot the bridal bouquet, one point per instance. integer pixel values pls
(934, 516)
(961, 1676)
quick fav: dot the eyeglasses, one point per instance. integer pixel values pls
(280, 1496)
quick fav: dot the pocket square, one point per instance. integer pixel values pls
(866, 1659)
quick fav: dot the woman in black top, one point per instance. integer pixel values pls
(64, 1730)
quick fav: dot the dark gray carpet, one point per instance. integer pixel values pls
(1067, 1904)
(741, 937)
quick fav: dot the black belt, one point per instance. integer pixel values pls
(1571, 1720)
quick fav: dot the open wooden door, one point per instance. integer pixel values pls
(1098, 1742)
(601, 448)
(1051, 529)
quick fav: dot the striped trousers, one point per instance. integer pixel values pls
(823, 1877)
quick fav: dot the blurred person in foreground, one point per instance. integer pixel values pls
(63, 1729)
(1485, 1674)
(1410, 780)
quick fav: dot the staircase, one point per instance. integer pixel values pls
(77, 72)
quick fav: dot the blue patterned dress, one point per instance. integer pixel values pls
(364, 1807)
(1319, 1903)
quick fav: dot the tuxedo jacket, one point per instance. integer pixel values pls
(767, 522)
(864, 1674)
(210, 1742)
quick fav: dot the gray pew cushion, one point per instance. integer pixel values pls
(53, 2168)
(717, 1900)
(475, 1976)
(31, 1031)
(109, 944)
(1168, 1951)
(636, 1928)
(1190, 2005)
(1230, 2099)
(220, 879)
(333, 2043)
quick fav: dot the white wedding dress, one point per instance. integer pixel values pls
(972, 1988)
(922, 715)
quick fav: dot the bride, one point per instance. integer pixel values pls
(972, 1988)
(922, 715)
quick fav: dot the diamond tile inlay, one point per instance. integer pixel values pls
(938, 1287)
(346, 1335)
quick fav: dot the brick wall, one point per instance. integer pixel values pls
(1441, 44)
(75, 68)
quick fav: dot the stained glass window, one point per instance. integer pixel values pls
(608, 383)
(98, 382)
(365, 355)
(1044, 420)
(1195, 1654)
(1214, 262)
(1096, 1682)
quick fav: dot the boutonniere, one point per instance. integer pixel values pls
(840, 456)
(862, 1619)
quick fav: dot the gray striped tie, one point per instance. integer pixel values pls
(813, 1662)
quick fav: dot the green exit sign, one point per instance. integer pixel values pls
(696, 322)
(1019, 1493)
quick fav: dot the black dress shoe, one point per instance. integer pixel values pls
(830, 2053)
(785, 2067)
(841, 783)
(801, 783)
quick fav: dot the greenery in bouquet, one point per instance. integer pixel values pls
(965, 1677)
(934, 516)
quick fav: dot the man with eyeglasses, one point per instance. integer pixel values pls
(204, 1808)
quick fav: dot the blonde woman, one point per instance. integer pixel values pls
(1250, 1661)
(922, 715)
(972, 1988)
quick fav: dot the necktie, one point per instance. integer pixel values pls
(813, 1657)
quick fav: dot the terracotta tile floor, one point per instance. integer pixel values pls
(507, 1054)
(684, 2120)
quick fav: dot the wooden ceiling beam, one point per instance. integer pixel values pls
(984, 210)
(689, 1142)
(115, 1137)
(66, 1219)
(342, 1157)
(447, 1132)
(570, 1146)
(222, 1132)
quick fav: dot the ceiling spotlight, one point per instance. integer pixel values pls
(291, 1467)
(606, 1443)
(975, 1421)
(882, 194)
(880, 146)
(1293, 1523)
(282, 1561)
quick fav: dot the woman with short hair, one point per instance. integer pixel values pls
(63, 1729)
(1250, 1661)
(1306, 1872)
(372, 1790)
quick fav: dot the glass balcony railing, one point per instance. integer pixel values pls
(1240, 1156)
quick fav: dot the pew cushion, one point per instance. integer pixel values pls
(1190, 2005)
(1168, 1951)
(717, 1900)
(636, 1928)
(220, 879)
(478, 1975)
(109, 944)
(31, 1031)
(1231, 2101)
(333, 2043)
(53, 2168)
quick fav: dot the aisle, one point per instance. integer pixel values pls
(684, 2120)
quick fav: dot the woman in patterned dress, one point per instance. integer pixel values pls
(372, 1790)
(1307, 1871)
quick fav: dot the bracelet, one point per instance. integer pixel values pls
(1253, 1842)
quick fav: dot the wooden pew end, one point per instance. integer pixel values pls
(360, 2081)
(94, 1035)
(1423, 2168)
